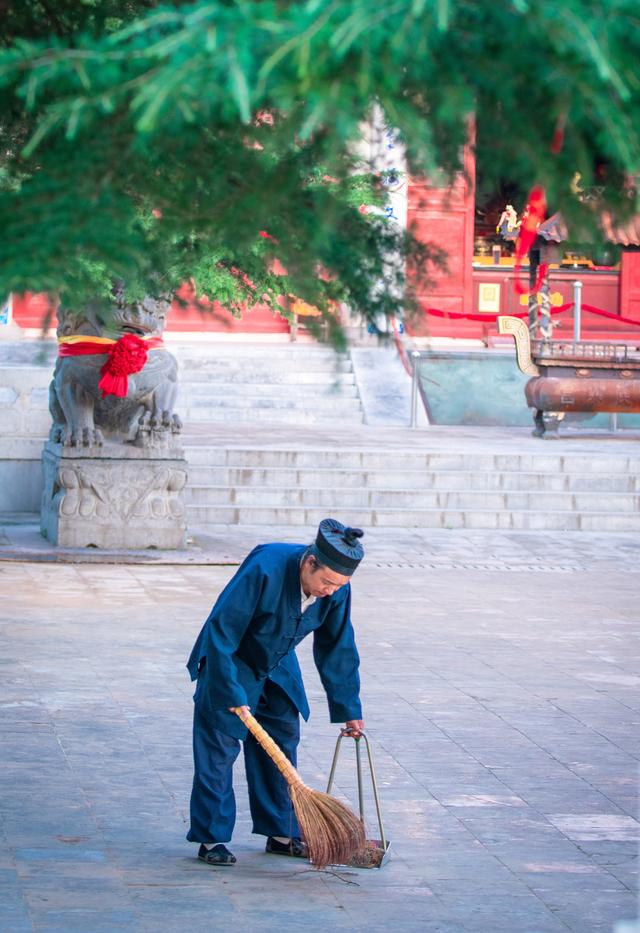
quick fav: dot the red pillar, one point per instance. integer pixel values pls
(445, 218)
(630, 284)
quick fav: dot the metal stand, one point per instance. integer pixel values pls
(382, 844)
(577, 311)
(415, 358)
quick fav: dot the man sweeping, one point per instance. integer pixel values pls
(244, 657)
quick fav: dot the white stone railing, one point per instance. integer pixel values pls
(24, 426)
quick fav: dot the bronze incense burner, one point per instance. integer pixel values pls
(585, 376)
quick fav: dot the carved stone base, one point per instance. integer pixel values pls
(115, 496)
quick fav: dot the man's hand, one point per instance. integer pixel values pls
(354, 728)
(242, 711)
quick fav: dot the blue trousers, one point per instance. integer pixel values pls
(213, 804)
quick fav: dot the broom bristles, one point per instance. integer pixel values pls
(333, 834)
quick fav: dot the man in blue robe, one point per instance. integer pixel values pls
(244, 657)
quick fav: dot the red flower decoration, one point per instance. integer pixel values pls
(128, 355)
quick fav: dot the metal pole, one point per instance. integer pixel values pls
(613, 421)
(577, 310)
(359, 773)
(374, 785)
(334, 763)
(415, 356)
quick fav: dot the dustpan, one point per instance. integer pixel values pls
(377, 850)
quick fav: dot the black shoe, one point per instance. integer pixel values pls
(295, 848)
(219, 855)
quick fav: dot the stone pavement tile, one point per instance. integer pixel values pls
(596, 827)
(504, 913)
(69, 892)
(499, 825)
(479, 885)
(40, 860)
(327, 918)
(15, 919)
(170, 905)
(569, 873)
(407, 910)
(605, 852)
(551, 883)
(8, 878)
(126, 826)
(423, 925)
(577, 869)
(589, 911)
(624, 868)
(457, 865)
(14, 913)
(81, 920)
(37, 826)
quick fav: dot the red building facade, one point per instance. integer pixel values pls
(459, 302)
(463, 301)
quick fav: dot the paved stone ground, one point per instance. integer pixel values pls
(501, 676)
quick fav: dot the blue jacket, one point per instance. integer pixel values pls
(251, 634)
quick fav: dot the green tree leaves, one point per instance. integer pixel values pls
(110, 110)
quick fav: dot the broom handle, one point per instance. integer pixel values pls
(276, 754)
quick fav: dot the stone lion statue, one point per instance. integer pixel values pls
(115, 380)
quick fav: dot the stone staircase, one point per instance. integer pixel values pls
(274, 435)
(412, 488)
(239, 383)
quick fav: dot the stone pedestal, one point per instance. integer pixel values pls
(116, 496)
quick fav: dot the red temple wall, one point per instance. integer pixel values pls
(445, 218)
(30, 310)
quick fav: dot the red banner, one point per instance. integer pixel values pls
(125, 356)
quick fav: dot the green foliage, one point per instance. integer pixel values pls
(118, 110)
(41, 19)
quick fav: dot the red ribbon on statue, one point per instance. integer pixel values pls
(534, 214)
(128, 355)
(125, 356)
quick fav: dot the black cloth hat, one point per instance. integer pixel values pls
(338, 547)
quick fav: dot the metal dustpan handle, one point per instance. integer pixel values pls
(374, 783)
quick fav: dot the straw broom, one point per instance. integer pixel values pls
(333, 834)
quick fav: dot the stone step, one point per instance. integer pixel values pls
(318, 403)
(521, 520)
(269, 415)
(349, 498)
(389, 459)
(209, 358)
(412, 479)
(266, 363)
(206, 351)
(266, 377)
(308, 390)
